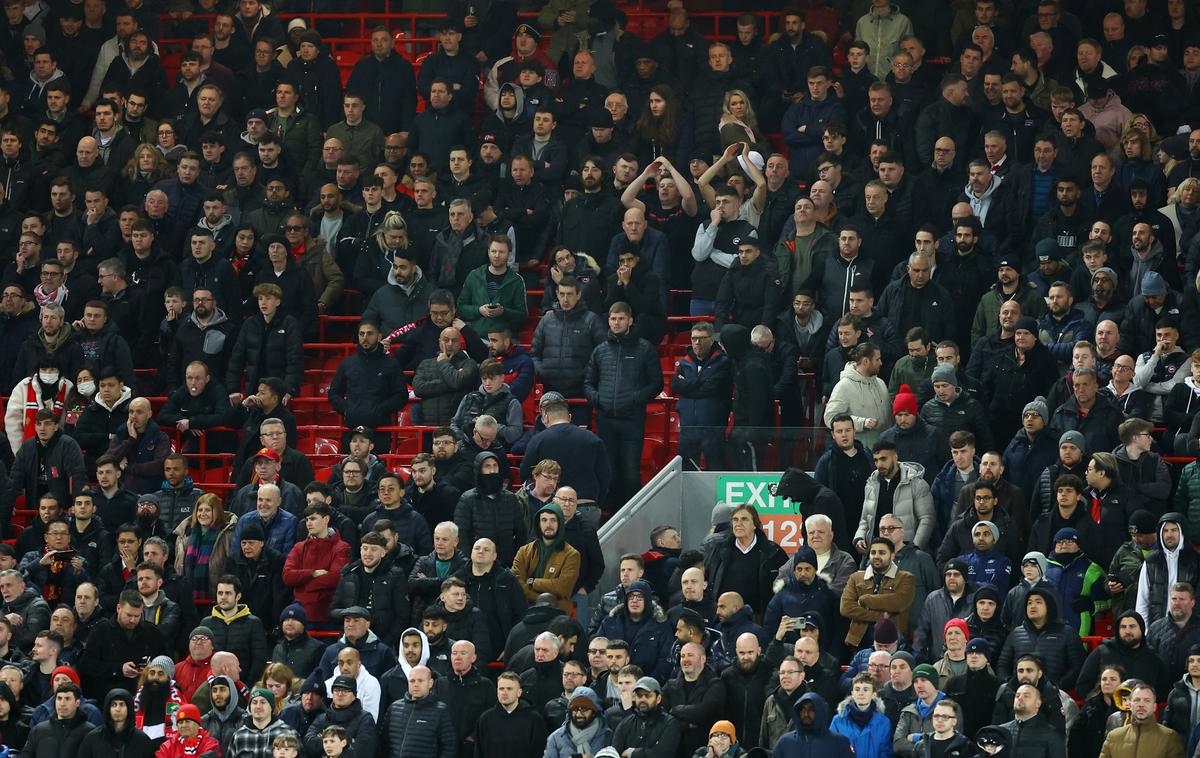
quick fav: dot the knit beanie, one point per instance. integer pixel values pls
(991, 525)
(944, 373)
(163, 662)
(905, 401)
(958, 623)
(1038, 406)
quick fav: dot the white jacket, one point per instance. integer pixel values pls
(14, 414)
(912, 503)
(863, 398)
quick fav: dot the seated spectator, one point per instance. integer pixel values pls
(403, 298)
(986, 564)
(266, 470)
(44, 389)
(294, 466)
(443, 381)
(493, 398)
(251, 411)
(197, 405)
(313, 566)
(409, 526)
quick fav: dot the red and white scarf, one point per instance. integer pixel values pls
(47, 298)
(33, 404)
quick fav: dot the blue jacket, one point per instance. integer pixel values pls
(1025, 460)
(725, 646)
(649, 640)
(1060, 338)
(989, 568)
(943, 493)
(518, 371)
(814, 741)
(704, 388)
(281, 532)
(794, 600)
(411, 527)
(875, 739)
(1080, 582)
(45, 712)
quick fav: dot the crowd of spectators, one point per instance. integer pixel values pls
(965, 236)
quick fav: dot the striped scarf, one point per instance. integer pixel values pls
(33, 404)
(200, 545)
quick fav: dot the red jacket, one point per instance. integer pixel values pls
(190, 674)
(315, 593)
(203, 745)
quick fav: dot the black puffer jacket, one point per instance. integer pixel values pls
(496, 516)
(242, 634)
(623, 375)
(359, 725)
(262, 349)
(388, 593)
(1035, 736)
(1055, 643)
(467, 697)
(562, 345)
(57, 738)
(422, 727)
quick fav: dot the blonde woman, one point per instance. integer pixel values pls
(1183, 210)
(374, 262)
(202, 543)
(739, 124)
(285, 685)
(145, 168)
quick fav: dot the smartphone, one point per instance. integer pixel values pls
(64, 555)
(798, 623)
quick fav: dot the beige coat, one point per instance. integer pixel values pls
(220, 553)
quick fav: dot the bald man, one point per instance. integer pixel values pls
(410, 721)
(746, 683)
(445, 379)
(140, 448)
(696, 698)
(734, 618)
(649, 244)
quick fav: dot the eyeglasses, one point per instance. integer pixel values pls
(272, 435)
(291, 228)
(889, 529)
(983, 498)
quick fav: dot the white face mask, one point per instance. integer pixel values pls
(48, 377)
(87, 388)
